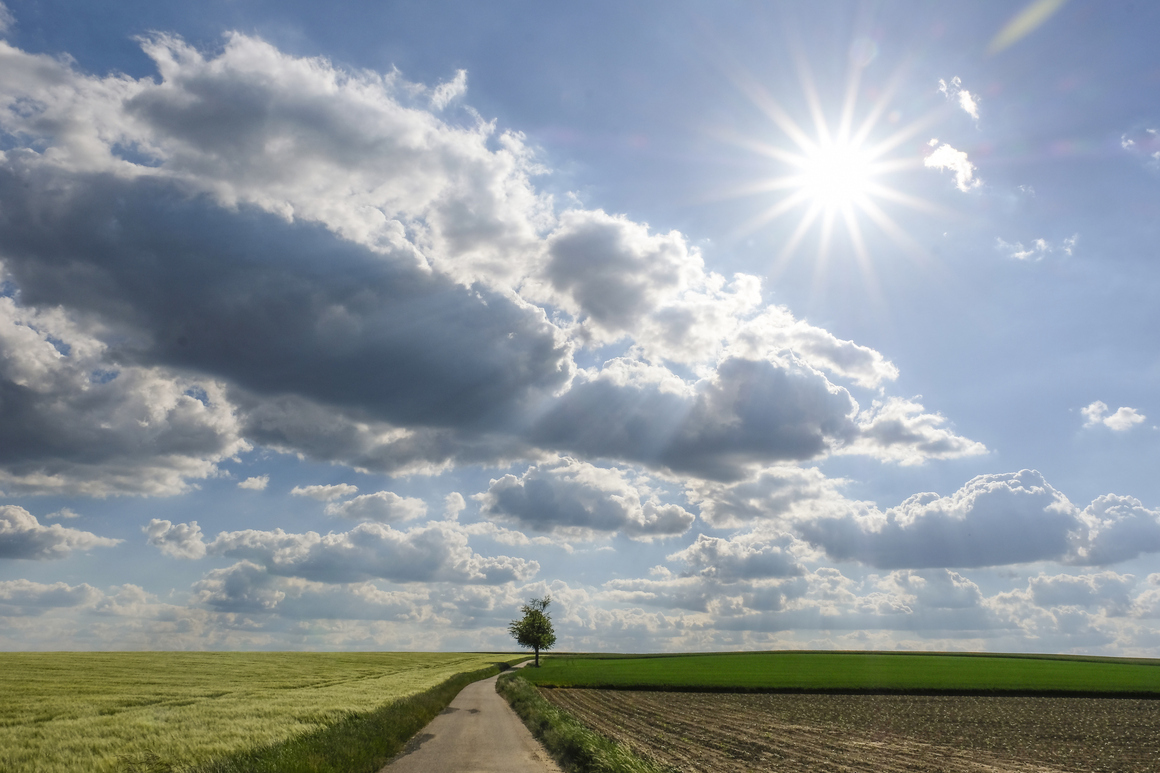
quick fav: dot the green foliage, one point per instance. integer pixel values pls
(534, 629)
(859, 672)
(575, 747)
(155, 712)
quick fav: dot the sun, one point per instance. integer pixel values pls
(835, 175)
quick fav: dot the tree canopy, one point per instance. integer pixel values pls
(534, 629)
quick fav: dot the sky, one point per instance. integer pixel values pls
(726, 325)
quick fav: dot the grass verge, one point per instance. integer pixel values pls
(574, 746)
(359, 742)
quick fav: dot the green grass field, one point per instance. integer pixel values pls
(856, 672)
(172, 710)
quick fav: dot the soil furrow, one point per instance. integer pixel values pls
(885, 734)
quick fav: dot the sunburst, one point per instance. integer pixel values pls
(834, 174)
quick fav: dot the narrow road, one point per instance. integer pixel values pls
(477, 733)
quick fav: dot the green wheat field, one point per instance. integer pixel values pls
(124, 711)
(853, 672)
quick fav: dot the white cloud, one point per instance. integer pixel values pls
(1107, 590)
(954, 90)
(580, 499)
(381, 506)
(1143, 143)
(946, 157)
(439, 223)
(443, 94)
(993, 520)
(22, 536)
(325, 493)
(63, 514)
(778, 494)
(24, 598)
(453, 505)
(1119, 528)
(900, 430)
(1122, 420)
(434, 552)
(745, 557)
(7, 20)
(255, 483)
(179, 540)
(1038, 249)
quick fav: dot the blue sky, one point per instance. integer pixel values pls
(729, 326)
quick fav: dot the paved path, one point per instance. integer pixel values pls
(477, 733)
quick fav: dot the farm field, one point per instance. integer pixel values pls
(854, 672)
(730, 733)
(117, 711)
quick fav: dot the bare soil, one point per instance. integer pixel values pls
(730, 733)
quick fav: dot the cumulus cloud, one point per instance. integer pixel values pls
(325, 493)
(1107, 590)
(740, 558)
(966, 100)
(1006, 518)
(1122, 420)
(579, 498)
(351, 277)
(179, 540)
(22, 536)
(900, 430)
(75, 420)
(936, 589)
(945, 157)
(781, 493)
(381, 506)
(24, 598)
(453, 505)
(248, 589)
(1119, 528)
(255, 483)
(434, 552)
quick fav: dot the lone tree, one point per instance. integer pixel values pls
(535, 628)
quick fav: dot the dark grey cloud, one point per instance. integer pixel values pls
(22, 536)
(74, 420)
(1008, 518)
(274, 307)
(749, 413)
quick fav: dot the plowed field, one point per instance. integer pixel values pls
(881, 733)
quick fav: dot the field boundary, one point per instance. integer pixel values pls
(576, 747)
(932, 692)
(908, 653)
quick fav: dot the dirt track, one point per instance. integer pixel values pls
(477, 733)
(730, 733)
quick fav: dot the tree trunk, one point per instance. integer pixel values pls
(537, 657)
